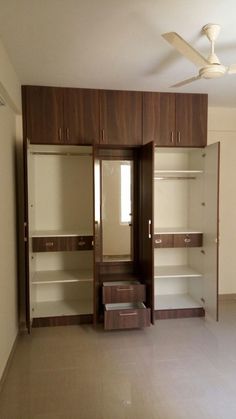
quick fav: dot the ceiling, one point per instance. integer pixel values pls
(116, 44)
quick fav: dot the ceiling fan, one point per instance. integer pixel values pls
(210, 67)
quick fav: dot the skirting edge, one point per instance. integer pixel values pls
(8, 363)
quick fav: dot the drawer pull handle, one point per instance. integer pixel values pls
(149, 229)
(158, 241)
(125, 289)
(133, 313)
(187, 240)
(81, 243)
(49, 244)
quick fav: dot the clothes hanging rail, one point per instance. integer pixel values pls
(49, 153)
(174, 177)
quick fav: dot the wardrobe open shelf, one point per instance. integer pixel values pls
(56, 277)
(175, 301)
(62, 308)
(175, 272)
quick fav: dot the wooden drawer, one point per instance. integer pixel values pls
(123, 292)
(163, 240)
(62, 244)
(126, 316)
(188, 240)
(81, 243)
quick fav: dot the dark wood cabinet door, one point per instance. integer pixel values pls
(191, 120)
(120, 117)
(159, 118)
(146, 204)
(81, 116)
(44, 114)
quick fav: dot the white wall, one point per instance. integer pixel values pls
(222, 127)
(10, 89)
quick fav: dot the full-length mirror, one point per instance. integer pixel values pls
(117, 193)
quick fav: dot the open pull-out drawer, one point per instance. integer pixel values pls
(126, 316)
(123, 292)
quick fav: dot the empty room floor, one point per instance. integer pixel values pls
(177, 369)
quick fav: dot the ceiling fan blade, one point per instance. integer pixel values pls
(187, 81)
(185, 49)
(232, 69)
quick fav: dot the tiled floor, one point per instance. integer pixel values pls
(178, 369)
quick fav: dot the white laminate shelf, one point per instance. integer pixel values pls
(55, 277)
(176, 230)
(177, 271)
(175, 301)
(111, 283)
(61, 233)
(124, 306)
(62, 308)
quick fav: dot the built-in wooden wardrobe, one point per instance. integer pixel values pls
(121, 207)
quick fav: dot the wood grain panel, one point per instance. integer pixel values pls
(159, 118)
(167, 120)
(123, 293)
(126, 319)
(62, 320)
(44, 114)
(179, 313)
(188, 240)
(163, 240)
(151, 117)
(62, 244)
(121, 117)
(191, 120)
(199, 120)
(81, 116)
(81, 243)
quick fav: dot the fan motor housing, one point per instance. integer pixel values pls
(212, 71)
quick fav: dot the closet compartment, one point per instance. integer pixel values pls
(185, 232)
(60, 191)
(123, 292)
(179, 283)
(126, 316)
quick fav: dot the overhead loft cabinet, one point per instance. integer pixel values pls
(186, 189)
(60, 239)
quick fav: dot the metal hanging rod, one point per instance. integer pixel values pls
(49, 153)
(175, 178)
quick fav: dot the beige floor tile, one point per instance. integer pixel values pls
(178, 369)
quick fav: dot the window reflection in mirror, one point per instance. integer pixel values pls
(117, 209)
